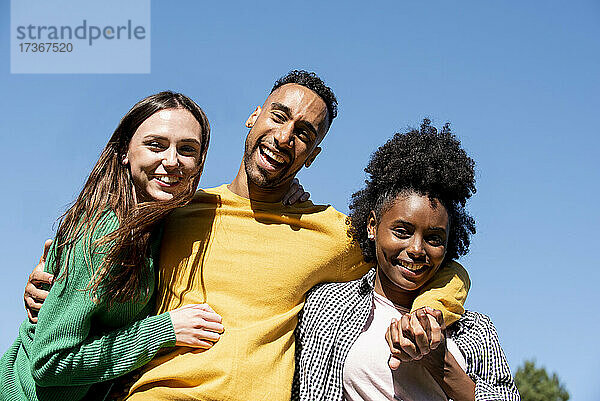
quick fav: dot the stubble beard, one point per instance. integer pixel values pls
(257, 175)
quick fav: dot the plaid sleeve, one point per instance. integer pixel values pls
(486, 363)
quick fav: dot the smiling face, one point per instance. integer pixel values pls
(284, 135)
(163, 154)
(410, 242)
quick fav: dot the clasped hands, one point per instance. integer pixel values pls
(415, 335)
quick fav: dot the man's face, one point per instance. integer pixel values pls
(284, 135)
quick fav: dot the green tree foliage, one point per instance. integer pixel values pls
(534, 384)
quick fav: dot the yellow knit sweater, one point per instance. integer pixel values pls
(253, 263)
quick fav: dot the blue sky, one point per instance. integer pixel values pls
(519, 81)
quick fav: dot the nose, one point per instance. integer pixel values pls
(170, 159)
(285, 136)
(415, 249)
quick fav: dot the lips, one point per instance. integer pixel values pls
(271, 160)
(413, 268)
(167, 180)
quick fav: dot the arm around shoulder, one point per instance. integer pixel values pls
(446, 291)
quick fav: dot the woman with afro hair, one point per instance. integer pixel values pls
(410, 219)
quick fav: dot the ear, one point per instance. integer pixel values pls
(372, 225)
(252, 118)
(312, 157)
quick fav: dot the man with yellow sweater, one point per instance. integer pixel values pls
(239, 249)
(252, 259)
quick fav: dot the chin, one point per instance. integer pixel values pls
(405, 284)
(261, 179)
(161, 196)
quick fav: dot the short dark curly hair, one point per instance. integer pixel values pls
(424, 161)
(315, 84)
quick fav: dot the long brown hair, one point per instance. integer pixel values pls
(110, 187)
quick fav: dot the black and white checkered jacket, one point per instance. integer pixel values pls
(332, 319)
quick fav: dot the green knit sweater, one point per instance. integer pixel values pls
(78, 342)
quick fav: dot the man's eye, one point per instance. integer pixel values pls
(278, 117)
(303, 136)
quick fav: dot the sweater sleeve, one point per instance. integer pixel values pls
(65, 351)
(446, 291)
(486, 362)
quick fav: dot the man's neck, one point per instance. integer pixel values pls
(242, 187)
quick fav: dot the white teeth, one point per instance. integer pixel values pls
(411, 266)
(273, 156)
(167, 179)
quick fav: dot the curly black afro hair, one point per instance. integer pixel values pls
(314, 83)
(424, 161)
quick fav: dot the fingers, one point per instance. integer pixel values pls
(34, 295)
(201, 344)
(45, 251)
(419, 323)
(432, 322)
(437, 314)
(295, 196)
(208, 335)
(207, 313)
(37, 294)
(437, 326)
(407, 342)
(298, 195)
(394, 363)
(214, 327)
(204, 307)
(401, 347)
(211, 321)
(436, 335)
(391, 336)
(200, 339)
(291, 192)
(32, 305)
(31, 316)
(38, 278)
(414, 336)
(295, 193)
(196, 325)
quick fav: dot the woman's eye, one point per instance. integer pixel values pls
(188, 150)
(435, 240)
(401, 232)
(155, 145)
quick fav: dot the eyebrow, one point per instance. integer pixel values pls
(406, 223)
(288, 111)
(156, 136)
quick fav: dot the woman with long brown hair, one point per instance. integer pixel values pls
(95, 324)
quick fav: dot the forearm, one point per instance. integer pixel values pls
(102, 358)
(451, 378)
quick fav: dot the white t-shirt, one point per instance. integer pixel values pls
(367, 375)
